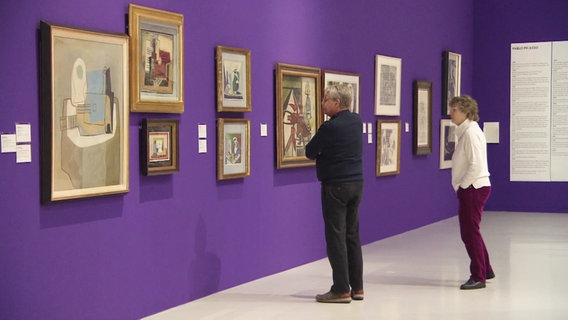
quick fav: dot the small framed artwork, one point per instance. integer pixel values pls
(447, 143)
(422, 117)
(156, 60)
(83, 112)
(233, 148)
(387, 85)
(233, 79)
(451, 79)
(388, 147)
(351, 79)
(298, 113)
(159, 144)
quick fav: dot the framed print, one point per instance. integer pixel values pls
(233, 148)
(233, 79)
(159, 145)
(447, 143)
(388, 147)
(298, 113)
(422, 117)
(351, 79)
(451, 79)
(156, 57)
(387, 85)
(83, 112)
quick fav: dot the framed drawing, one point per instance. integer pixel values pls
(83, 112)
(447, 143)
(156, 57)
(387, 85)
(451, 79)
(233, 148)
(388, 147)
(422, 117)
(351, 79)
(233, 79)
(159, 145)
(298, 113)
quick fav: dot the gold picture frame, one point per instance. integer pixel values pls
(298, 113)
(156, 60)
(84, 113)
(233, 90)
(388, 147)
(233, 148)
(159, 146)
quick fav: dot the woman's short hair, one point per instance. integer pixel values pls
(467, 105)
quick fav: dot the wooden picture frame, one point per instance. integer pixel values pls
(159, 146)
(233, 148)
(233, 90)
(388, 147)
(83, 113)
(298, 113)
(156, 57)
(388, 77)
(448, 141)
(330, 77)
(451, 79)
(422, 117)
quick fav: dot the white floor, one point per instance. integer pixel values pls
(416, 275)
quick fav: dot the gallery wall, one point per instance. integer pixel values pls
(172, 239)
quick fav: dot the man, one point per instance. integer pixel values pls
(337, 148)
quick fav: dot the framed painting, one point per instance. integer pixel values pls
(159, 144)
(447, 143)
(156, 57)
(351, 79)
(233, 148)
(451, 79)
(388, 147)
(422, 117)
(233, 79)
(387, 85)
(83, 112)
(298, 113)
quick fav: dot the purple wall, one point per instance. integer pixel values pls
(497, 25)
(177, 238)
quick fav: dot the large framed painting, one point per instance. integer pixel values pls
(83, 112)
(159, 146)
(451, 79)
(233, 148)
(447, 143)
(156, 57)
(233, 79)
(298, 113)
(422, 115)
(388, 147)
(387, 85)
(351, 79)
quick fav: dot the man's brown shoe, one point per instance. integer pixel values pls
(331, 297)
(357, 294)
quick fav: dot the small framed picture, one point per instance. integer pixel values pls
(447, 143)
(156, 60)
(159, 144)
(388, 147)
(422, 117)
(233, 148)
(298, 113)
(451, 79)
(233, 79)
(338, 77)
(387, 85)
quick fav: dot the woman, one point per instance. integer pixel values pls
(470, 179)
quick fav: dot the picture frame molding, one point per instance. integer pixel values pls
(222, 129)
(344, 77)
(385, 105)
(393, 168)
(225, 104)
(446, 155)
(450, 81)
(422, 118)
(158, 22)
(170, 164)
